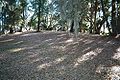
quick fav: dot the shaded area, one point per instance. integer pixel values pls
(56, 56)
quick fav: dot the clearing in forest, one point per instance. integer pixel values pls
(57, 56)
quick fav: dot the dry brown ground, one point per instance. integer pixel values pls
(56, 56)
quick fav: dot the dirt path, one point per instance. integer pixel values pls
(56, 56)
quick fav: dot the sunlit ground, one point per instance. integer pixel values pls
(58, 56)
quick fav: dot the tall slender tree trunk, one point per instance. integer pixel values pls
(95, 25)
(39, 12)
(23, 24)
(118, 17)
(3, 15)
(11, 29)
(105, 17)
(2, 26)
(50, 22)
(72, 26)
(91, 17)
(23, 20)
(113, 21)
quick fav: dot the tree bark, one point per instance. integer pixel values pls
(105, 17)
(72, 26)
(3, 15)
(118, 17)
(91, 17)
(11, 30)
(39, 12)
(113, 21)
(96, 5)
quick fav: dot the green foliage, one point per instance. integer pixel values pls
(91, 14)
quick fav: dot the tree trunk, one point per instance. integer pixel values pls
(39, 6)
(2, 26)
(105, 17)
(91, 17)
(23, 20)
(20, 29)
(96, 5)
(3, 30)
(72, 26)
(11, 30)
(113, 21)
(118, 17)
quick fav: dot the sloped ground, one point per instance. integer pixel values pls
(56, 56)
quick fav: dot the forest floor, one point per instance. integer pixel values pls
(58, 56)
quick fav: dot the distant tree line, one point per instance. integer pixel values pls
(78, 15)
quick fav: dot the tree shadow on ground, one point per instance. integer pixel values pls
(56, 56)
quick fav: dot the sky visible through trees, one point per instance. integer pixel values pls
(59, 39)
(89, 16)
(92, 16)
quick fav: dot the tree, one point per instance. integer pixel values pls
(40, 7)
(11, 14)
(23, 4)
(105, 16)
(3, 14)
(71, 10)
(118, 17)
(113, 21)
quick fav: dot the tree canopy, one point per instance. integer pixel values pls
(93, 16)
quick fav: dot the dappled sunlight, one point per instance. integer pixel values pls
(26, 35)
(114, 73)
(88, 42)
(18, 42)
(17, 33)
(62, 42)
(35, 60)
(52, 63)
(58, 39)
(98, 50)
(58, 56)
(51, 44)
(69, 40)
(116, 69)
(2, 35)
(101, 69)
(88, 56)
(72, 43)
(58, 60)
(61, 70)
(30, 34)
(31, 47)
(86, 49)
(44, 65)
(118, 50)
(59, 47)
(118, 36)
(9, 40)
(80, 39)
(16, 50)
(48, 40)
(61, 35)
(117, 55)
(109, 42)
(110, 72)
(27, 48)
(85, 41)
